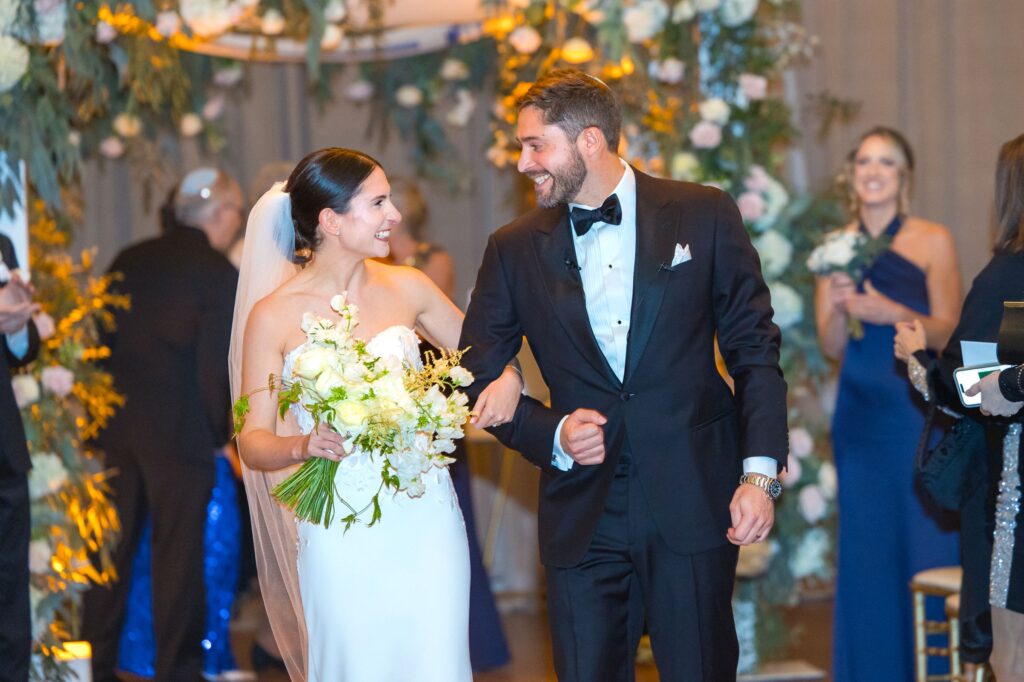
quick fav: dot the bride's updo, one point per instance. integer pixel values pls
(327, 178)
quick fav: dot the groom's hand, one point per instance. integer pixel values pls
(753, 515)
(582, 436)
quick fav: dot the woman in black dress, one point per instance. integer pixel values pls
(1000, 281)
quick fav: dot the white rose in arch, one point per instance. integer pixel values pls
(801, 443)
(776, 252)
(706, 5)
(454, 69)
(39, 555)
(525, 40)
(26, 390)
(715, 110)
(127, 125)
(190, 125)
(47, 475)
(409, 96)
(332, 37)
(644, 19)
(736, 12)
(685, 166)
(812, 504)
(335, 11)
(787, 304)
(683, 11)
(112, 147)
(272, 23)
(214, 107)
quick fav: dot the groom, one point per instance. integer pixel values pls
(653, 472)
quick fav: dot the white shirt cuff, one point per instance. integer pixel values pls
(17, 342)
(766, 466)
(559, 458)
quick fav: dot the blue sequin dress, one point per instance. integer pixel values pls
(138, 647)
(887, 530)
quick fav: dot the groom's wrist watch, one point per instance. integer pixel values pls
(770, 486)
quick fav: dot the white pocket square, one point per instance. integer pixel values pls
(681, 255)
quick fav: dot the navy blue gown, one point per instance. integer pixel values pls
(137, 650)
(887, 529)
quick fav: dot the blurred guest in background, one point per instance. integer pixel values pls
(1000, 281)
(878, 415)
(487, 646)
(19, 344)
(169, 359)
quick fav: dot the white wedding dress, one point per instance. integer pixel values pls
(388, 603)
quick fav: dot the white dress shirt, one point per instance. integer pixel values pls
(606, 256)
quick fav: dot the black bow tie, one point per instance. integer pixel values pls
(583, 219)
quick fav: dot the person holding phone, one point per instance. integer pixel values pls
(1001, 280)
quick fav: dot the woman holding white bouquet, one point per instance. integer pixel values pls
(381, 594)
(884, 267)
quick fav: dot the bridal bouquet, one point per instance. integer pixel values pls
(406, 417)
(851, 253)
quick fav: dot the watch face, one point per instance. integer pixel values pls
(775, 488)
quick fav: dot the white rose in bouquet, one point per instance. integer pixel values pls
(351, 415)
(461, 376)
(312, 362)
(327, 382)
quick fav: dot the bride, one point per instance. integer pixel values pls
(389, 602)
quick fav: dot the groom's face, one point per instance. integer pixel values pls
(549, 159)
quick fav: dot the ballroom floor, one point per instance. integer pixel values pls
(531, 654)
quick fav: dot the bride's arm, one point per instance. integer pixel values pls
(258, 444)
(441, 322)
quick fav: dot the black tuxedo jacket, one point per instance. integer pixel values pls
(169, 352)
(14, 457)
(686, 432)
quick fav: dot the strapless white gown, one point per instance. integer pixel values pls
(388, 603)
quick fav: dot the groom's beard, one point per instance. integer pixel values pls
(565, 182)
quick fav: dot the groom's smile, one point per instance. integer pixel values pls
(549, 159)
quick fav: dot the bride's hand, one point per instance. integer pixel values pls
(497, 403)
(322, 442)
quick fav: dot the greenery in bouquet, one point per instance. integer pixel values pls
(405, 416)
(65, 399)
(851, 253)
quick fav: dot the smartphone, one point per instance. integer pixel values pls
(966, 377)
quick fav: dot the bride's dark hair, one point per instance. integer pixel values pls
(327, 178)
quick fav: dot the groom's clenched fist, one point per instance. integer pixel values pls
(582, 436)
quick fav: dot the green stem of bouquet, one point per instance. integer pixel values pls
(310, 494)
(855, 328)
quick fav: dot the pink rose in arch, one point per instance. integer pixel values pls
(751, 206)
(753, 86)
(706, 135)
(57, 380)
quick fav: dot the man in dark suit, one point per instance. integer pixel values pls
(169, 358)
(20, 344)
(653, 472)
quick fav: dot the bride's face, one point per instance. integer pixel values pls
(366, 227)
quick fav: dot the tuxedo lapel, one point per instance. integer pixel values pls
(552, 241)
(656, 231)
